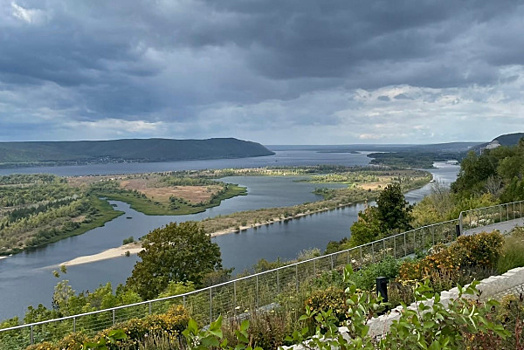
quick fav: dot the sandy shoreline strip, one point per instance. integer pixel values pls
(132, 248)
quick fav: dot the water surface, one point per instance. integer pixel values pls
(26, 278)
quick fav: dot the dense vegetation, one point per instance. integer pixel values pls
(363, 185)
(174, 253)
(150, 150)
(162, 194)
(38, 209)
(498, 172)
(331, 299)
(413, 159)
(346, 298)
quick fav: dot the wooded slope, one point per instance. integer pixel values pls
(137, 150)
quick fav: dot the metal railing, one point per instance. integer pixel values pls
(239, 296)
(487, 216)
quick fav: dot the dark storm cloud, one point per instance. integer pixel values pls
(190, 60)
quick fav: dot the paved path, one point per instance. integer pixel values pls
(503, 227)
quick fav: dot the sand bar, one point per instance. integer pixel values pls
(132, 248)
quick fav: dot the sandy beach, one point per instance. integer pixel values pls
(132, 248)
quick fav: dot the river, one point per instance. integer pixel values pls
(26, 278)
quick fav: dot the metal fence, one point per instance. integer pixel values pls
(486, 216)
(240, 296)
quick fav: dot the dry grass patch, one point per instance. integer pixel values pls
(153, 190)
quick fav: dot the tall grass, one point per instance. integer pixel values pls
(513, 251)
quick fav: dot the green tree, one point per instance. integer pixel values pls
(366, 228)
(394, 212)
(177, 252)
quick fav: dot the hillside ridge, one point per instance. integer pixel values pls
(126, 150)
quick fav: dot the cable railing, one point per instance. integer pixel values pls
(238, 297)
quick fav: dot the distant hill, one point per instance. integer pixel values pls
(438, 147)
(503, 140)
(130, 150)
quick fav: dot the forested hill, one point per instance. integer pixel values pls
(131, 150)
(504, 140)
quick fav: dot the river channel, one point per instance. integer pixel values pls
(26, 278)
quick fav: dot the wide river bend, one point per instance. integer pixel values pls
(26, 278)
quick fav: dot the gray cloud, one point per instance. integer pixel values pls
(194, 66)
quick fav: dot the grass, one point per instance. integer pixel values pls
(150, 207)
(512, 254)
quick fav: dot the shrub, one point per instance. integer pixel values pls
(332, 298)
(482, 249)
(468, 254)
(267, 329)
(128, 240)
(73, 341)
(173, 322)
(365, 278)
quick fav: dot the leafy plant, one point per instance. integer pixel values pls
(213, 337)
(112, 338)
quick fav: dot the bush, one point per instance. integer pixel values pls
(332, 298)
(173, 322)
(267, 330)
(365, 278)
(170, 325)
(128, 240)
(468, 254)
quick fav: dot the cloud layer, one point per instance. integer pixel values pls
(277, 72)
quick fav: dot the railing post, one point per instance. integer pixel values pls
(210, 305)
(373, 251)
(256, 293)
(151, 307)
(114, 317)
(235, 296)
(296, 275)
(32, 336)
(74, 324)
(332, 263)
(278, 278)
(395, 246)
(361, 258)
(414, 241)
(405, 245)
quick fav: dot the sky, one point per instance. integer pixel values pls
(270, 71)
